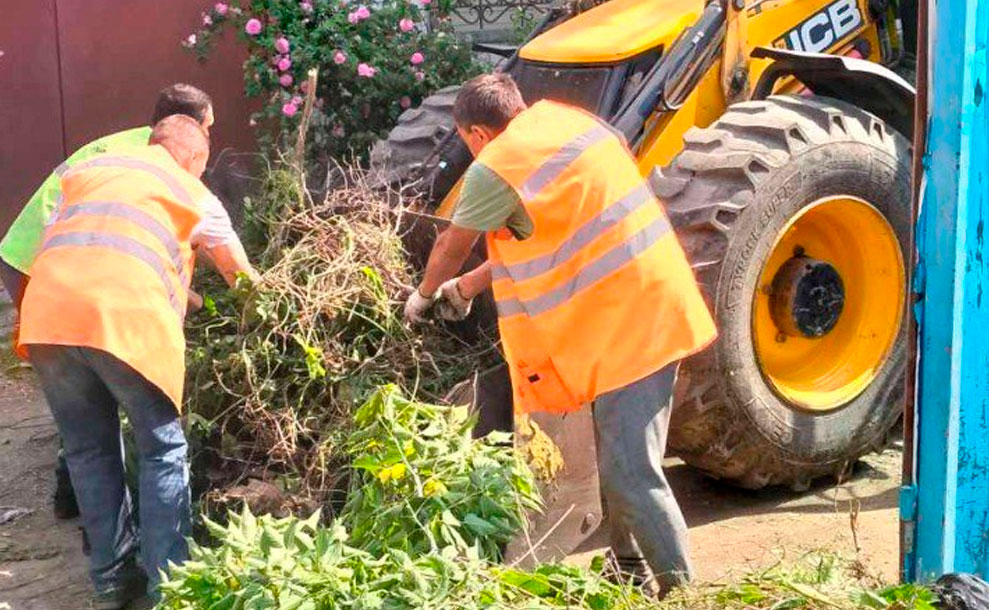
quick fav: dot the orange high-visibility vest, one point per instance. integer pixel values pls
(114, 269)
(601, 294)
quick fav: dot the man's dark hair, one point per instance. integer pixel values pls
(490, 100)
(181, 98)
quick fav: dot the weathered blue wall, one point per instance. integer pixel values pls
(953, 385)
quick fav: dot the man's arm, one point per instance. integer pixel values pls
(449, 253)
(486, 204)
(214, 237)
(229, 259)
(475, 281)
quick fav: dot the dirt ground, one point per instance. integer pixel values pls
(735, 531)
(41, 562)
(732, 531)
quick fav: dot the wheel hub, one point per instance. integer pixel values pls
(807, 298)
(829, 304)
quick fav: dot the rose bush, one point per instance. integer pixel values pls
(375, 59)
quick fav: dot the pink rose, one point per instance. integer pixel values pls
(284, 64)
(220, 8)
(339, 58)
(425, 2)
(207, 20)
(363, 12)
(306, 8)
(296, 100)
(353, 18)
(338, 131)
(405, 102)
(191, 40)
(365, 70)
(282, 45)
(289, 109)
(406, 25)
(285, 80)
(417, 58)
(253, 27)
(420, 75)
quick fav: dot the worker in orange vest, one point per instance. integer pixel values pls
(596, 301)
(102, 321)
(20, 244)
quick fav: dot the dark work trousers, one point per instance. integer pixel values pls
(647, 527)
(85, 388)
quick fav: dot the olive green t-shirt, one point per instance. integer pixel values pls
(488, 203)
(23, 239)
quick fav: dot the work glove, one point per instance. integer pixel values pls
(417, 305)
(452, 304)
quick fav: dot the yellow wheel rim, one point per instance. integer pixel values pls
(820, 373)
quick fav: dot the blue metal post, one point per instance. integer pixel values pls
(952, 468)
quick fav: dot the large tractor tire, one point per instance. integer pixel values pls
(411, 156)
(794, 212)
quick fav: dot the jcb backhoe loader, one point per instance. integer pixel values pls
(777, 136)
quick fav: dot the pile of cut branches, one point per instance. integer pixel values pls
(275, 369)
(429, 509)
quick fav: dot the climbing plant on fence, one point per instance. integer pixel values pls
(375, 59)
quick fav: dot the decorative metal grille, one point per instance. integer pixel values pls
(481, 14)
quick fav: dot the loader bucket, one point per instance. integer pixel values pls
(560, 449)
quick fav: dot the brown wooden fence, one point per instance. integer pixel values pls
(74, 70)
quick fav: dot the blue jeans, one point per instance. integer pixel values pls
(85, 388)
(647, 526)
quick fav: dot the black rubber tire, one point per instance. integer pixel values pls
(408, 157)
(961, 592)
(729, 193)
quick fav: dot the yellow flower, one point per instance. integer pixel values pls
(398, 471)
(392, 473)
(433, 487)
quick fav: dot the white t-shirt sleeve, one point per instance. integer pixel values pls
(215, 229)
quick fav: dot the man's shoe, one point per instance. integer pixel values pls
(119, 596)
(630, 571)
(66, 506)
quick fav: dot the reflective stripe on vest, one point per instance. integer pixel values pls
(132, 163)
(124, 245)
(608, 218)
(611, 261)
(562, 159)
(613, 214)
(140, 218)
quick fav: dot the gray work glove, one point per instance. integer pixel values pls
(417, 305)
(452, 305)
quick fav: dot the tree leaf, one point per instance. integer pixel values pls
(479, 526)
